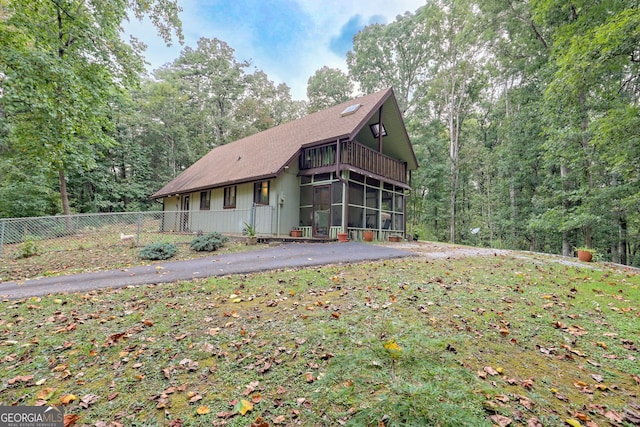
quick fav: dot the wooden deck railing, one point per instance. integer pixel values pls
(365, 158)
(357, 155)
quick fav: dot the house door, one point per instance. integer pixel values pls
(185, 213)
(321, 211)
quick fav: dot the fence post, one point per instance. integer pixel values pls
(2, 235)
(139, 228)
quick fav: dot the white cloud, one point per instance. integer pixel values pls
(320, 22)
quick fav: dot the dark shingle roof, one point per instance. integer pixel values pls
(264, 155)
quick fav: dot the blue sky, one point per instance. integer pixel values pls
(287, 39)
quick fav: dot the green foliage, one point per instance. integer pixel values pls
(249, 230)
(209, 242)
(28, 249)
(62, 62)
(25, 189)
(328, 87)
(158, 251)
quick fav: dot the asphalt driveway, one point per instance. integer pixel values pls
(288, 255)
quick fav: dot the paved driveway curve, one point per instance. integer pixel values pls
(289, 255)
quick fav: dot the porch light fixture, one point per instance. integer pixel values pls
(350, 110)
(375, 130)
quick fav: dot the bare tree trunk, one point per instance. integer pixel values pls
(622, 240)
(452, 202)
(566, 246)
(64, 197)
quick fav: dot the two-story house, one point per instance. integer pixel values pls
(343, 169)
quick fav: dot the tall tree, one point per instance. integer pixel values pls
(457, 55)
(328, 87)
(382, 57)
(214, 81)
(596, 68)
(62, 61)
(264, 105)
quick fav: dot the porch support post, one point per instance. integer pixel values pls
(380, 130)
(345, 188)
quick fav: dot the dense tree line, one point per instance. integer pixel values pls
(524, 115)
(525, 119)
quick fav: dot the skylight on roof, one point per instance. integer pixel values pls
(350, 110)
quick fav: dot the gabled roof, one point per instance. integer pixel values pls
(264, 155)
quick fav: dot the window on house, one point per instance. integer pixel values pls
(261, 193)
(205, 200)
(230, 197)
(375, 130)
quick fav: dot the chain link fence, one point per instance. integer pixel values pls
(85, 231)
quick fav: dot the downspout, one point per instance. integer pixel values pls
(345, 189)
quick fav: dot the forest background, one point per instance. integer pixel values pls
(524, 115)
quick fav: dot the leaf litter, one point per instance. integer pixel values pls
(540, 339)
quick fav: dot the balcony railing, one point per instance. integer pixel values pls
(365, 158)
(357, 155)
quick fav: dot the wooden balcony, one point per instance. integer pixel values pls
(366, 159)
(357, 155)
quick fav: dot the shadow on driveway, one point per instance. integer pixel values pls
(290, 255)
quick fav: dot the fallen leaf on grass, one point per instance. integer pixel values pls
(88, 400)
(308, 376)
(195, 398)
(70, 419)
(202, 410)
(613, 416)
(528, 383)
(526, 402)
(632, 414)
(597, 378)
(573, 422)
(20, 379)
(393, 348)
(489, 370)
(502, 398)
(243, 407)
(582, 417)
(501, 420)
(67, 398)
(46, 393)
(534, 422)
(259, 422)
(251, 387)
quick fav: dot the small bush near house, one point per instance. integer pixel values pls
(209, 242)
(158, 251)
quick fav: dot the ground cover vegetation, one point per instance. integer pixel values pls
(525, 115)
(515, 339)
(103, 251)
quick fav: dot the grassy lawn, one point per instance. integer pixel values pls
(479, 341)
(92, 252)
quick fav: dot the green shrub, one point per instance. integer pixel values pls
(158, 251)
(209, 242)
(27, 249)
